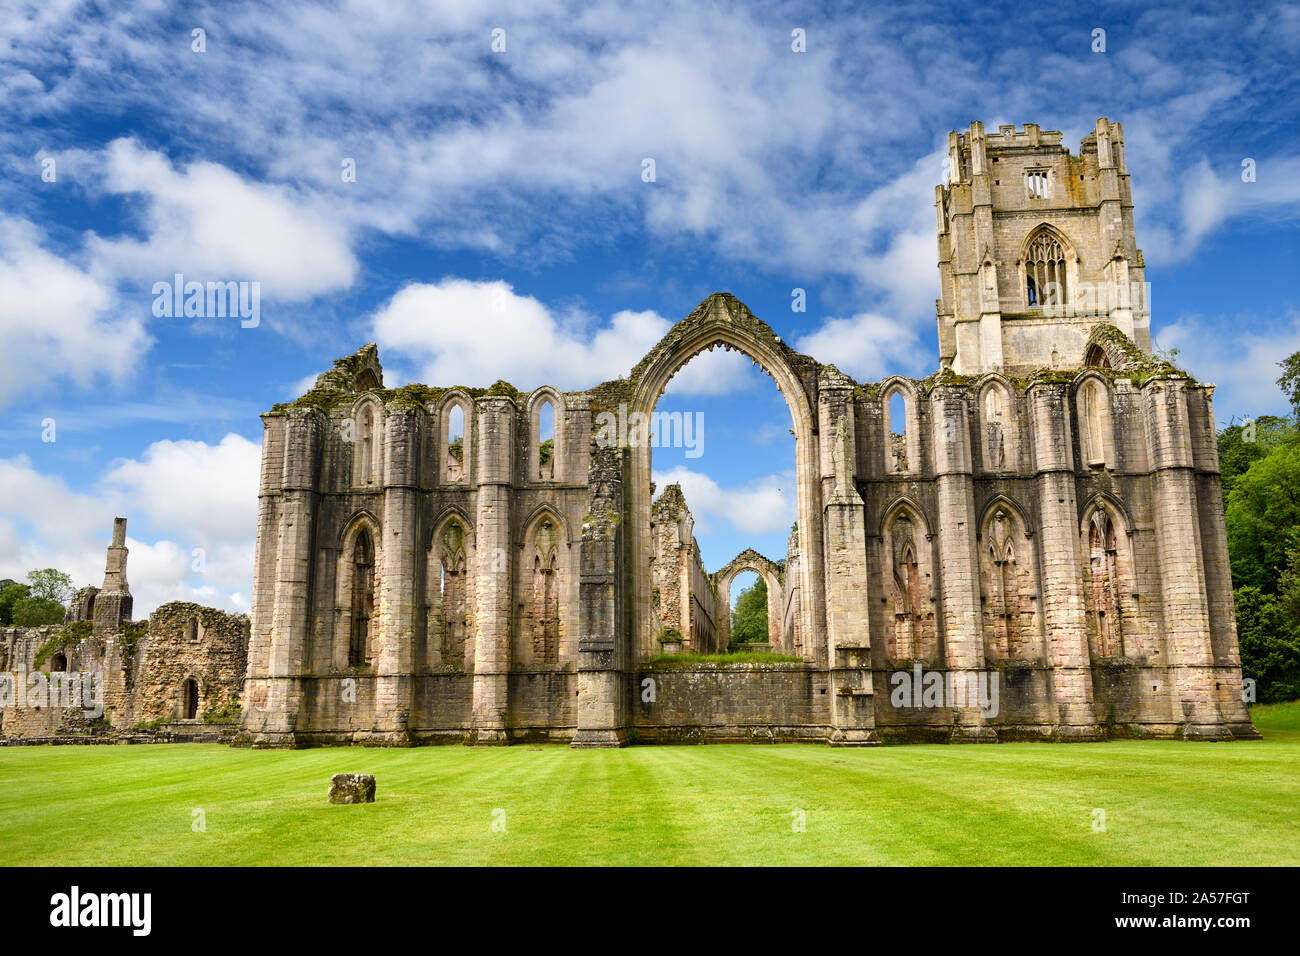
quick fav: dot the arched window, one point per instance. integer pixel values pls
(542, 605)
(546, 446)
(995, 450)
(896, 452)
(455, 457)
(192, 630)
(1011, 624)
(448, 595)
(1093, 404)
(363, 599)
(1104, 586)
(1045, 272)
(190, 699)
(907, 588)
(58, 663)
(366, 439)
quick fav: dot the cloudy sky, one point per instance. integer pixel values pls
(387, 171)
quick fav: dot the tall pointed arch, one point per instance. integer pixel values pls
(723, 320)
(359, 571)
(1109, 593)
(543, 579)
(907, 557)
(450, 592)
(1012, 618)
(546, 455)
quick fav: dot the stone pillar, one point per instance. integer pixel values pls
(397, 608)
(602, 631)
(848, 631)
(113, 603)
(1178, 547)
(1218, 572)
(1062, 571)
(274, 697)
(494, 579)
(963, 628)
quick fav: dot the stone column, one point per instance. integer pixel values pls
(494, 579)
(848, 630)
(963, 625)
(1178, 546)
(1218, 572)
(1062, 571)
(272, 706)
(397, 607)
(602, 631)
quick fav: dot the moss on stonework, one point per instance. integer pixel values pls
(70, 636)
(228, 714)
(129, 634)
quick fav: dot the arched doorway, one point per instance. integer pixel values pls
(770, 572)
(723, 320)
(190, 699)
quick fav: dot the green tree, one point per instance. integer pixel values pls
(1270, 644)
(1241, 445)
(50, 584)
(749, 616)
(1263, 516)
(10, 591)
(31, 611)
(1289, 380)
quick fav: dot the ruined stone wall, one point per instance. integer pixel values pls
(188, 642)
(140, 668)
(1045, 509)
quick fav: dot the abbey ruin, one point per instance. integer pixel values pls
(1043, 514)
(102, 677)
(1045, 507)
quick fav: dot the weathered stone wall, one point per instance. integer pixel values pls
(1046, 509)
(188, 642)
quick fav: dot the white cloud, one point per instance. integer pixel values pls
(213, 225)
(457, 331)
(762, 506)
(1239, 357)
(56, 321)
(188, 494)
(866, 346)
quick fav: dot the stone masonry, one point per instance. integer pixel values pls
(1044, 510)
(178, 675)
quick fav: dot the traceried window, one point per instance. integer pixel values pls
(1045, 283)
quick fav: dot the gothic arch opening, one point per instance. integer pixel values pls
(717, 324)
(912, 631)
(1108, 595)
(750, 562)
(360, 561)
(1012, 619)
(543, 581)
(449, 595)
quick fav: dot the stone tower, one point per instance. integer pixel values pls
(1036, 246)
(110, 605)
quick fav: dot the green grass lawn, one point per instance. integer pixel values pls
(1165, 802)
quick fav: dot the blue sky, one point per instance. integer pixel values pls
(517, 173)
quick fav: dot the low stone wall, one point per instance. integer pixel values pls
(731, 703)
